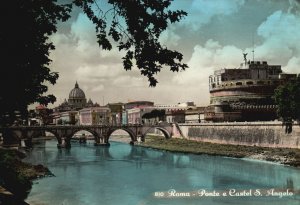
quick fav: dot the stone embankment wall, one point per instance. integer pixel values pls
(265, 134)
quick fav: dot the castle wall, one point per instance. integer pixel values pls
(265, 134)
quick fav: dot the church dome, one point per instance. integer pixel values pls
(76, 93)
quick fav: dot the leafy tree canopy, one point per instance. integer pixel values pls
(154, 114)
(287, 97)
(27, 25)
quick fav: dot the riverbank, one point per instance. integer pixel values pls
(284, 156)
(16, 177)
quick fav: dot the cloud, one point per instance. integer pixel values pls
(201, 12)
(204, 61)
(96, 72)
(169, 37)
(293, 65)
(127, 81)
(98, 88)
(82, 28)
(280, 38)
(84, 36)
(213, 36)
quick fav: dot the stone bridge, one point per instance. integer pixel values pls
(15, 134)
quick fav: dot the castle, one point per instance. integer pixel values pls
(245, 93)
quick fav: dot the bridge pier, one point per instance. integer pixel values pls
(100, 141)
(59, 142)
(102, 144)
(28, 143)
(106, 142)
(67, 142)
(142, 138)
(64, 143)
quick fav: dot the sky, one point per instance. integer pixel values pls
(214, 35)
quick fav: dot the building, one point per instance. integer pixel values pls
(116, 112)
(176, 115)
(94, 115)
(194, 115)
(135, 115)
(77, 98)
(134, 104)
(177, 112)
(132, 114)
(68, 111)
(245, 93)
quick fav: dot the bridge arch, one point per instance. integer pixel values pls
(55, 133)
(52, 132)
(129, 131)
(94, 133)
(165, 132)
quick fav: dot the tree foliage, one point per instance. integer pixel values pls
(139, 37)
(26, 27)
(160, 114)
(287, 98)
(134, 25)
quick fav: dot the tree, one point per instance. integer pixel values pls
(155, 114)
(134, 25)
(287, 98)
(45, 116)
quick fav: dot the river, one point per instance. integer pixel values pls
(133, 175)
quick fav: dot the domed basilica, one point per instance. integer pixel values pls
(76, 101)
(77, 97)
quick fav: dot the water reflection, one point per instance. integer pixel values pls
(124, 174)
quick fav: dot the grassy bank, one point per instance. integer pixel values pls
(281, 155)
(16, 176)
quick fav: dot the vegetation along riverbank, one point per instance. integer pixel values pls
(16, 177)
(280, 155)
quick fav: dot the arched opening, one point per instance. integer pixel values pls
(41, 137)
(50, 138)
(85, 137)
(156, 134)
(49, 135)
(121, 135)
